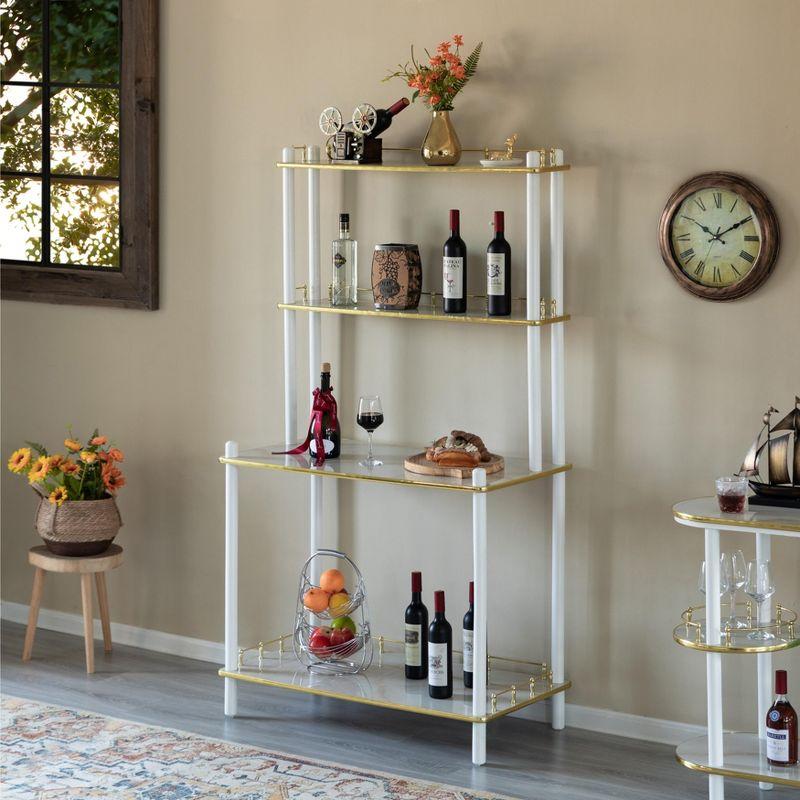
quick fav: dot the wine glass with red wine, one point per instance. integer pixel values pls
(370, 417)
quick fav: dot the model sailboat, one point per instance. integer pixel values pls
(779, 451)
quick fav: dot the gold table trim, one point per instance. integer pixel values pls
(721, 648)
(422, 168)
(422, 484)
(777, 525)
(430, 712)
(731, 773)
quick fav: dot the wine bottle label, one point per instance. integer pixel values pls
(437, 664)
(453, 278)
(326, 443)
(495, 273)
(413, 645)
(778, 744)
(468, 637)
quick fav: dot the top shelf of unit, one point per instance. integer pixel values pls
(704, 512)
(465, 168)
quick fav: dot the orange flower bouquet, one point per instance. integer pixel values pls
(84, 480)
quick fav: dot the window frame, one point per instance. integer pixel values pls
(135, 283)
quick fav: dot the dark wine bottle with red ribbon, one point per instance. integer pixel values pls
(331, 436)
(386, 115)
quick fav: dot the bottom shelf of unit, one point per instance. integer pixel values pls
(513, 684)
(743, 757)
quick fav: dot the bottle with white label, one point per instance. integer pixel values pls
(440, 652)
(469, 624)
(498, 270)
(781, 726)
(416, 632)
(454, 269)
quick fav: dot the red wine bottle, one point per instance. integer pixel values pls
(469, 624)
(781, 726)
(440, 652)
(331, 436)
(386, 115)
(498, 270)
(454, 269)
(416, 632)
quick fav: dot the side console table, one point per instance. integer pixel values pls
(735, 755)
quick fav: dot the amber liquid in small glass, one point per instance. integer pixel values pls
(731, 503)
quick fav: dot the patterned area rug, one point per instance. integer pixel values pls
(53, 753)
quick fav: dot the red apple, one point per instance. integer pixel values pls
(339, 639)
(319, 642)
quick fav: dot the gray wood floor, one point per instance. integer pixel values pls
(526, 759)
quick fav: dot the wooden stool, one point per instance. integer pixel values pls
(45, 561)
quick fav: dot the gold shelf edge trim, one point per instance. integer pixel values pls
(344, 310)
(731, 773)
(772, 526)
(422, 168)
(431, 712)
(467, 487)
(733, 650)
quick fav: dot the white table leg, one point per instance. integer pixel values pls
(716, 783)
(764, 660)
(231, 576)
(479, 556)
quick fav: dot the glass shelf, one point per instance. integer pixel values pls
(743, 757)
(704, 512)
(473, 168)
(392, 472)
(476, 312)
(512, 684)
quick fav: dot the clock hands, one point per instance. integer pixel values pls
(707, 230)
(736, 225)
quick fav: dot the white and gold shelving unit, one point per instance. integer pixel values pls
(735, 755)
(501, 686)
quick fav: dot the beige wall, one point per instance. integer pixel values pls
(664, 390)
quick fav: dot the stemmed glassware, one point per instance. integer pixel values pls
(370, 417)
(733, 576)
(759, 586)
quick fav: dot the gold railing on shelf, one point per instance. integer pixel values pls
(782, 627)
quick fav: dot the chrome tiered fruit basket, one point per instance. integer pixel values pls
(345, 658)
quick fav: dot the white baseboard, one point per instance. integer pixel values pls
(600, 720)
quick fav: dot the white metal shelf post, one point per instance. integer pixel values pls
(534, 291)
(314, 338)
(231, 576)
(764, 660)
(480, 645)
(558, 594)
(289, 326)
(716, 783)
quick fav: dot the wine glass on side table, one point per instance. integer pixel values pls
(733, 574)
(760, 586)
(370, 418)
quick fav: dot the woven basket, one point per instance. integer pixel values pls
(78, 527)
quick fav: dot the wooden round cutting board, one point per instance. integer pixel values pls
(419, 464)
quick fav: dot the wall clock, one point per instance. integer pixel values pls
(719, 236)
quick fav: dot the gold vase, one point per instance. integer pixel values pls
(441, 147)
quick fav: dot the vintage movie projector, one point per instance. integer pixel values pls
(357, 142)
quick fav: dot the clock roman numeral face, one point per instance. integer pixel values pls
(715, 237)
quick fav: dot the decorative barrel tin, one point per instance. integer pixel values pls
(396, 276)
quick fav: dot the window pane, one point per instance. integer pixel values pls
(84, 41)
(22, 128)
(21, 57)
(21, 219)
(84, 224)
(84, 132)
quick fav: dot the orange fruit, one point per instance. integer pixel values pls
(316, 600)
(331, 581)
(338, 603)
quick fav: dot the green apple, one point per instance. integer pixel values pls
(343, 623)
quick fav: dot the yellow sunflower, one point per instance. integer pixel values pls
(72, 444)
(88, 457)
(19, 459)
(68, 467)
(39, 469)
(58, 496)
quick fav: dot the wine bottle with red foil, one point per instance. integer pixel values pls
(440, 652)
(469, 625)
(781, 726)
(331, 436)
(454, 269)
(386, 115)
(416, 632)
(498, 270)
